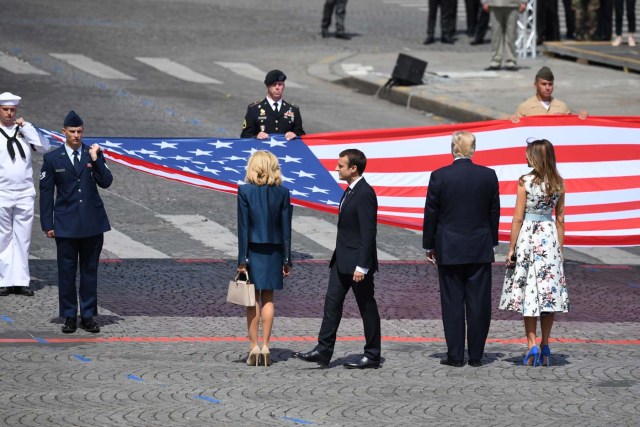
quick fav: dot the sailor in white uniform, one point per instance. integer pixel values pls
(17, 195)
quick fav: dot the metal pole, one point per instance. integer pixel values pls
(526, 37)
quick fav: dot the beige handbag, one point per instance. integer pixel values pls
(242, 292)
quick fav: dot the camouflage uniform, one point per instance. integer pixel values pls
(586, 18)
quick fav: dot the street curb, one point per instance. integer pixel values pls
(414, 97)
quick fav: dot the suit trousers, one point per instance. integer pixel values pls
(339, 285)
(465, 291)
(504, 22)
(70, 250)
(448, 9)
(340, 7)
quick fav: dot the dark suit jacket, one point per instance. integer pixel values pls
(461, 213)
(261, 114)
(264, 216)
(78, 211)
(357, 227)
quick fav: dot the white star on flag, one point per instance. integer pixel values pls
(315, 189)
(108, 143)
(180, 158)
(298, 193)
(220, 144)
(303, 174)
(275, 143)
(165, 144)
(288, 159)
(145, 151)
(200, 152)
(235, 158)
(231, 170)
(212, 171)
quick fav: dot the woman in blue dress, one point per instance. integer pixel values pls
(264, 244)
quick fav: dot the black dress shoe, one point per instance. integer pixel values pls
(429, 40)
(454, 363)
(474, 363)
(70, 325)
(447, 40)
(343, 36)
(364, 363)
(89, 325)
(476, 42)
(22, 290)
(312, 356)
(492, 68)
(5, 291)
(511, 67)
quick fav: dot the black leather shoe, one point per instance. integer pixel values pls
(70, 325)
(343, 36)
(89, 325)
(511, 67)
(22, 290)
(5, 291)
(364, 363)
(454, 363)
(474, 363)
(312, 356)
(324, 33)
(492, 68)
(476, 42)
(429, 40)
(447, 40)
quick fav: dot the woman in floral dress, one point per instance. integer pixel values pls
(534, 284)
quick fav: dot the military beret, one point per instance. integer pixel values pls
(545, 74)
(7, 98)
(274, 76)
(72, 120)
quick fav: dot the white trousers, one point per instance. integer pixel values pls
(16, 220)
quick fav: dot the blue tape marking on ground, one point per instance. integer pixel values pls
(41, 340)
(6, 319)
(81, 358)
(633, 285)
(297, 420)
(134, 377)
(208, 399)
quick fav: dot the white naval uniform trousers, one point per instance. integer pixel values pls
(17, 199)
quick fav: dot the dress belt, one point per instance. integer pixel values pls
(537, 217)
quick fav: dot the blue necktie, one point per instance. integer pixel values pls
(76, 160)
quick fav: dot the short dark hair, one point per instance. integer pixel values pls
(356, 158)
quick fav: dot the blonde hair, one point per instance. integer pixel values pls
(542, 158)
(463, 144)
(263, 169)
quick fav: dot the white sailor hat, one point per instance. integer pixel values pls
(7, 98)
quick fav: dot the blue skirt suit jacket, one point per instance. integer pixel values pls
(264, 233)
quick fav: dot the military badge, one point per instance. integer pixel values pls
(43, 174)
(262, 112)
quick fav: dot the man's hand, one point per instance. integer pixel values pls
(93, 151)
(431, 257)
(357, 276)
(262, 135)
(50, 234)
(290, 135)
(583, 114)
(20, 122)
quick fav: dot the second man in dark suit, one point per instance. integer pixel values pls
(353, 265)
(461, 217)
(77, 220)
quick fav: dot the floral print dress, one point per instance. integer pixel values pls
(536, 284)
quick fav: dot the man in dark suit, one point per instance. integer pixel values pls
(272, 115)
(77, 220)
(461, 218)
(353, 265)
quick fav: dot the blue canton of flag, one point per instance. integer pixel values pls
(220, 164)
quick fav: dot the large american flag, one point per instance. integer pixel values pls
(599, 158)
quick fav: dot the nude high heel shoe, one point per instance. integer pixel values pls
(254, 356)
(617, 41)
(265, 356)
(631, 40)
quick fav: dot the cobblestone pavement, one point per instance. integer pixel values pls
(171, 352)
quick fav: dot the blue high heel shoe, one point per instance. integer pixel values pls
(534, 355)
(545, 352)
